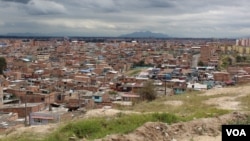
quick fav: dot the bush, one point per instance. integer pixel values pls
(113, 93)
(165, 117)
(3, 64)
(84, 129)
(147, 92)
(200, 63)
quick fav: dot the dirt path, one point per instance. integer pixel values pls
(106, 112)
(240, 90)
(227, 102)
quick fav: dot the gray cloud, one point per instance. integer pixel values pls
(193, 18)
(44, 7)
(18, 1)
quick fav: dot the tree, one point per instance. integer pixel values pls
(147, 92)
(238, 59)
(3, 64)
(241, 58)
(200, 63)
(230, 60)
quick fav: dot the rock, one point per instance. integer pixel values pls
(199, 130)
(157, 128)
(72, 138)
(173, 139)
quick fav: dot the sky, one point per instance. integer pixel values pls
(176, 18)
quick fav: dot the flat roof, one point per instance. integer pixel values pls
(22, 105)
(130, 95)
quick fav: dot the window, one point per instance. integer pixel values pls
(59, 97)
(38, 120)
(29, 92)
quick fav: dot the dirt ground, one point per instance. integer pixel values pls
(40, 131)
(106, 112)
(206, 129)
(174, 103)
(228, 102)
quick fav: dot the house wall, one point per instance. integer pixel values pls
(65, 117)
(21, 110)
(5, 83)
(1, 96)
(43, 120)
(243, 79)
(97, 99)
(105, 98)
(233, 70)
(221, 76)
(131, 99)
(36, 98)
(64, 98)
(90, 104)
(16, 92)
(35, 121)
(91, 88)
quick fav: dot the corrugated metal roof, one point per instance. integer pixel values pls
(42, 117)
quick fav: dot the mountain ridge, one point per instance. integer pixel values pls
(144, 34)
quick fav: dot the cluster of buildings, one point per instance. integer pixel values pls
(46, 80)
(245, 42)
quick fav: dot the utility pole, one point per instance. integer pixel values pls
(79, 103)
(25, 109)
(105, 79)
(165, 87)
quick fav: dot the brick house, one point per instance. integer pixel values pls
(20, 108)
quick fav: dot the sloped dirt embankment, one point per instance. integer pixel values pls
(205, 129)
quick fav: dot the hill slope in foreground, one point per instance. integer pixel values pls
(234, 99)
(205, 129)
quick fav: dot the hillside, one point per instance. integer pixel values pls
(205, 129)
(202, 123)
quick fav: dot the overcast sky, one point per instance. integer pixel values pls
(176, 18)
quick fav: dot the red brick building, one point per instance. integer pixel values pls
(20, 108)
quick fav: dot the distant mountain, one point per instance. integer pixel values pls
(27, 34)
(145, 34)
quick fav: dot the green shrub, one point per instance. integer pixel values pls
(165, 117)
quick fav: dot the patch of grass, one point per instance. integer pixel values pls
(192, 106)
(100, 127)
(23, 137)
(134, 72)
(245, 102)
